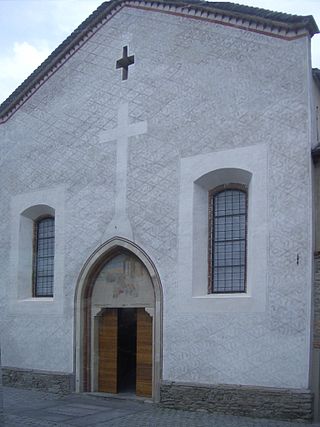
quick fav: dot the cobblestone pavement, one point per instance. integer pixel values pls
(33, 408)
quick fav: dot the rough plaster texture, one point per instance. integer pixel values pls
(201, 88)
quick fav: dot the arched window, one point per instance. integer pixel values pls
(43, 263)
(227, 239)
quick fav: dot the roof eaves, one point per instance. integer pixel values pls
(262, 16)
(285, 20)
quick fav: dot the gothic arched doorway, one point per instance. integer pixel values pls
(118, 322)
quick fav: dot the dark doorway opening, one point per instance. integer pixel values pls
(127, 350)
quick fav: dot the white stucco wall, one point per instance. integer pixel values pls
(199, 174)
(202, 88)
(316, 141)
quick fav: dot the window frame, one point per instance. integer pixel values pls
(211, 217)
(35, 255)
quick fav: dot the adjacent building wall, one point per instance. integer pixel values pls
(315, 371)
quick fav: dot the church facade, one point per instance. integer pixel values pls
(159, 211)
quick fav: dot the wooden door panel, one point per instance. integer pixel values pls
(108, 351)
(144, 354)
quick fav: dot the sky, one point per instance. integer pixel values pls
(31, 29)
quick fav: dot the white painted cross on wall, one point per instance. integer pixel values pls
(120, 224)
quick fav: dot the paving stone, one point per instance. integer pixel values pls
(76, 410)
(85, 410)
(101, 417)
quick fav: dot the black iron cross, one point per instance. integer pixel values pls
(124, 63)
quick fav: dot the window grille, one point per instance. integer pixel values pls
(227, 239)
(44, 257)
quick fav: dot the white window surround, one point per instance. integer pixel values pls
(198, 175)
(25, 209)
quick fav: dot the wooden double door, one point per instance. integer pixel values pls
(125, 351)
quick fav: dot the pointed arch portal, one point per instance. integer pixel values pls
(118, 322)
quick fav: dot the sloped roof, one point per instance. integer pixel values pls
(281, 22)
(306, 21)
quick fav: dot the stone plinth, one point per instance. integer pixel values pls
(1, 394)
(260, 402)
(53, 382)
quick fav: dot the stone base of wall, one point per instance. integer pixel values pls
(260, 402)
(1, 396)
(54, 382)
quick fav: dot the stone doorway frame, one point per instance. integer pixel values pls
(89, 272)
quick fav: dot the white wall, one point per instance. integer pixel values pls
(200, 174)
(203, 88)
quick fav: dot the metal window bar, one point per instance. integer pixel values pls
(227, 246)
(44, 257)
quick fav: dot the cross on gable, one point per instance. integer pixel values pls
(121, 134)
(124, 129)
(124, 63)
